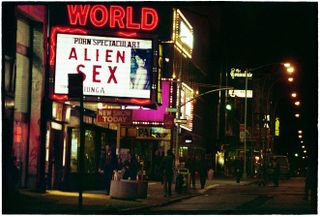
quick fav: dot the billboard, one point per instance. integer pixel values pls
(182, 33)
(187, 107)
(155, 115)
(112, 66)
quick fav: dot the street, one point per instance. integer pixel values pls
(288, 198)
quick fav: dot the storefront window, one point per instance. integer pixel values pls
(75, 143)
(89, 152)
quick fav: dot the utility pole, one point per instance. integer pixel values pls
(76, 91)
(245, 128)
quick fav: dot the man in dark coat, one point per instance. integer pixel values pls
(108, 167)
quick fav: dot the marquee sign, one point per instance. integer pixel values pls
(112, 66)
(114, 16)
(114, 116)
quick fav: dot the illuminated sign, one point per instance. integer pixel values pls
(187, 107)
(277, 127)
(114, 16)
(237, 73)
(155, 115)
(182, 33)
(154, 133)
(113, 67)
(114, 116)
(240, 93)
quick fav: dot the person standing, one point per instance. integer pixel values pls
(167, 166)
(131, 168)
(108, 167)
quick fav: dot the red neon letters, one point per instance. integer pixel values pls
(114, 17)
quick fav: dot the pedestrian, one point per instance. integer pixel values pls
(131, 168)
(108, 167)
(167, 167)
(202, 171)
(190, 164)
(237, 170)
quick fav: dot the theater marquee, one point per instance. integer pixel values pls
(113, 67)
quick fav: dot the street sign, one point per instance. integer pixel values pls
(171, 110)
(180, 121)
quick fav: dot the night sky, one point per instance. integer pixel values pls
(261, 33)
(252, 34)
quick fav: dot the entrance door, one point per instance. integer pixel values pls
(55, 159)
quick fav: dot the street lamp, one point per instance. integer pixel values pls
(297, 115)
(297, 103)
(294, 95)
(290, 70)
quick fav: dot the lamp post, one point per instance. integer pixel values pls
(290, 70)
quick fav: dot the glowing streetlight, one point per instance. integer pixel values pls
(297, 115)
(294, 95)
(290, 79)
(297, 103)
(304, 151)
(300, 136)
(290, 70)
(296, 155)
(303, 146)
(300, 131)
(287, 65)
(301, 141)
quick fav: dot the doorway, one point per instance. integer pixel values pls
(55, 173)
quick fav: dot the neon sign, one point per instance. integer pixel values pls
(113, 17)
(113, 67)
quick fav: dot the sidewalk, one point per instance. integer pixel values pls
(97, 202)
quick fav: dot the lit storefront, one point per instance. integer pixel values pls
(123, 55)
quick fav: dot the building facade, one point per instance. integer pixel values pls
(137, 61)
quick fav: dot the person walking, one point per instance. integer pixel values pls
(202, 172)
(190, 164)
(167, 167)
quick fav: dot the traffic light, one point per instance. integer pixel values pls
(228, 107)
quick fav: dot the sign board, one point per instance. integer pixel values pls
(154, 133)
(237, 73)
(114, 116)
(240, 93)
(113, 17)
(75, 86)
(182, 33)
(180, 121)
(277, 127)
(112, 66)
(171, 110)
(168, 121)
(187, 108)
